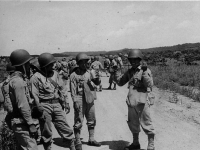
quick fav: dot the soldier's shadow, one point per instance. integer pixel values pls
(115, 145)
(60, 142)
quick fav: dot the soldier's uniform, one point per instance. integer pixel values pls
(51, 94)
(140, 83)
(21, 114)
(96, 65)
(112, 69)
(46, 92)
(106, 65)
(83, 94)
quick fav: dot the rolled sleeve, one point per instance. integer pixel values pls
(73, 86)
(121, 79)
(147, 80)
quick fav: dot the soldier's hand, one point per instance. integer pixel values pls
(76, 106)
(67, 108)
(33, 131)
(144, 66)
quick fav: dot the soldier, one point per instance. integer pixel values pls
(140, 85)
(4, 93)
(112, 69)
(21, 119)
(96, 65)
(83, 96)
(120, 62)
(47, 89)
(106, 65)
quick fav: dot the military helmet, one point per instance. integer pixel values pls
(63, 59)
(96, 57)
(45, 59)
(81, 56)
(136, 53)
(19, 57)
(10, 68)
(120, 54)
(111, 56)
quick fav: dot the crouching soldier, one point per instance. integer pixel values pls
(83, 96)
(47, 90)
(140, 85)
(20, 117)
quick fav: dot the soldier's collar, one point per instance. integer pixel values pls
(20, 74)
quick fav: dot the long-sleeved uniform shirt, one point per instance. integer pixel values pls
(140, 82)
(20, 97)
(42, 89)
(77, 84)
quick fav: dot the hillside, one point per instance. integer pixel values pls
(179, 47)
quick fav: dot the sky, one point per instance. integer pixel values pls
(62, 26)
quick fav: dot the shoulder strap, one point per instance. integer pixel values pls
(53, 82)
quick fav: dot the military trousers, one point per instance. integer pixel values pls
(24, 141)
(54, 113)
(87, 110)
(111, 78)
(139, 115)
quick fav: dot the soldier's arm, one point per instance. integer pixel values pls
(121, 79)
(35, 88)
(101, 66)
(73, 87)
(22, 101)
(147, 80)
(63, 88)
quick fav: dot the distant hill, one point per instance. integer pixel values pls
(179, 47)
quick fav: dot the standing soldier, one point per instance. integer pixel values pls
(21, 120)
(83, 95)
(120, 62)
(106, 65)
(4, 91)
(47, 89)
(96, 65)
(112, 69)
(140, 85)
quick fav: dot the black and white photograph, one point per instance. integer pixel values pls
(99, 75)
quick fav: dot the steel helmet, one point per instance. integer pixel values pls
(96, 57)
(45, 59)
(10, 68)
(111, 56)
(136, 53)
(81, 56)
(19, 57)
(63, 59)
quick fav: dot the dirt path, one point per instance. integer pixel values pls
(177, 124)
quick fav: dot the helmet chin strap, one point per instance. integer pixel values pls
(46, 73)
(24, 70)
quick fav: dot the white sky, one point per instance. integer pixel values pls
(92, 26)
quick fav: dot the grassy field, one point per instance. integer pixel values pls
(182, 79)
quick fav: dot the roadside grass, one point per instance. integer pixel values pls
(182, 79)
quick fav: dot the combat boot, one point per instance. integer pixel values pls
(78, 143)
(135, 145)
(150, 142)
(47, 146)
(70, 143)
(100, 88)
(114, 88)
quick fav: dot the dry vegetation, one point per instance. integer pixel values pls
(182, 79)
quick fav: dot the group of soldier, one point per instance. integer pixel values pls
(36, 95)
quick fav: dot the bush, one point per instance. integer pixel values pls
(7, 138)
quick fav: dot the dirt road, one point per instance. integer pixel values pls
(177, 125)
